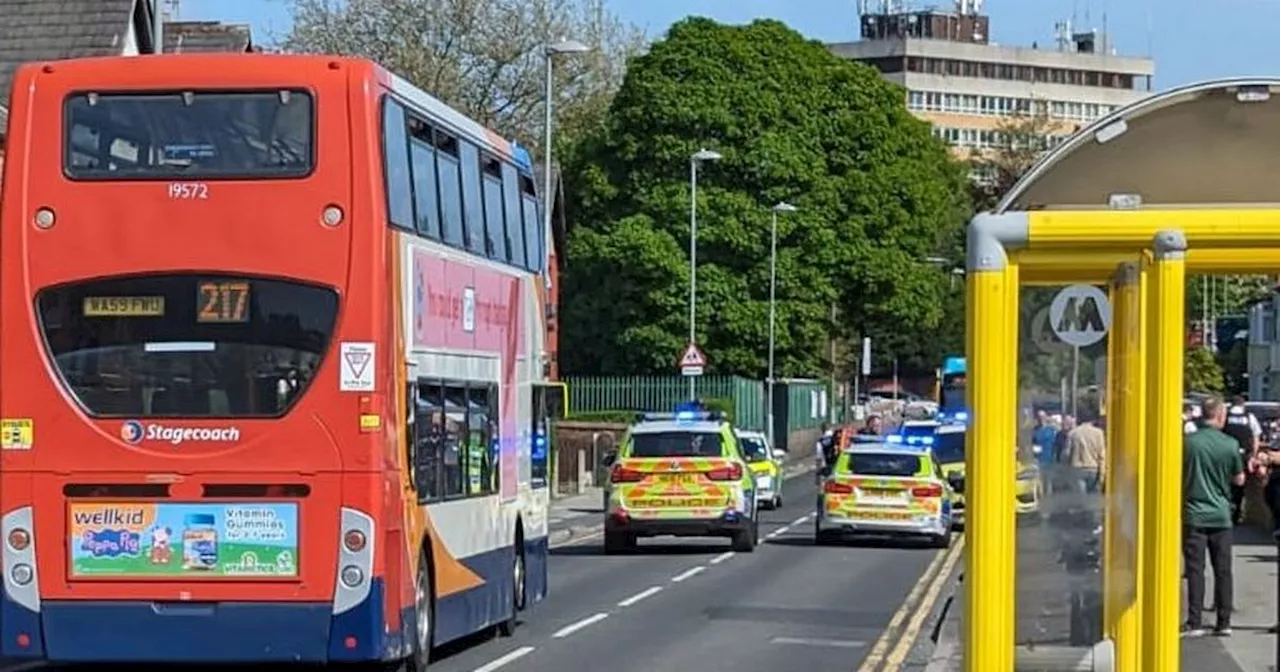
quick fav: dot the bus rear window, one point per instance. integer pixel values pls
(676, 444)
(187, 346)
(883, 464)
(188, 135)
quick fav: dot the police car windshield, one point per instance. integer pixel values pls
(883, 464)
(676, 444)
(949, 447)
(753, 449)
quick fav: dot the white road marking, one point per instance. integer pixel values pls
(574, 627)
(688, 573)
(722, 557)
(639, 596)
(499, 662)
(837, 643)
(801, 519)
(775, 534)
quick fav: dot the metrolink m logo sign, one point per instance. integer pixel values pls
(1080, 315)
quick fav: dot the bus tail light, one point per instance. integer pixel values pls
(834, 488)
(22, 581)
(19, 539)
(733, 472)
(354, 541)
(355, 560)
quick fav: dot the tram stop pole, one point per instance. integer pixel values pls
(1162, 519)
(1124, 473)
(991, 308)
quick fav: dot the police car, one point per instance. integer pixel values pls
(681, 474)
(883, 487)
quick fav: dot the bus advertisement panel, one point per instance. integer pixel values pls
(275, 365)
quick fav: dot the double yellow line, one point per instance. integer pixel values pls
(894, 645)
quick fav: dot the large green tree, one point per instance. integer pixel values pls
(877, 196)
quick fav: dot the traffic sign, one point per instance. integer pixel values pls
(1042, 334)
(692, 362)
(1080, 315)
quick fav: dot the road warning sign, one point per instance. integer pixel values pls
(357, 367)
(692, 362)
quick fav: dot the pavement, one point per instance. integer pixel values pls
(1043, 609)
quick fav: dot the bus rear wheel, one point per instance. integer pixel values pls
(424, 610)
(507, 627)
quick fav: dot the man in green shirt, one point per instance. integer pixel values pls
(1211, 464)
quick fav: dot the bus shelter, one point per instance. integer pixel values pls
(1181, 182)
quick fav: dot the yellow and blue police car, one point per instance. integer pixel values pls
(680, 474)
(879, 487)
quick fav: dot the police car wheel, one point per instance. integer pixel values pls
(618, 543)
(744, 540)
(942, 540)
(777, 501)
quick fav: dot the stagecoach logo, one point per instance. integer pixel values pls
(134, 432)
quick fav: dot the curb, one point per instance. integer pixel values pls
(571, 535)
(946, 640)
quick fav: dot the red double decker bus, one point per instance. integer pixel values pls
(274, 365)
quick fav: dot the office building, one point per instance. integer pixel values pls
(966, 86)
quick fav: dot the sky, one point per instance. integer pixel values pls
(1187, 47)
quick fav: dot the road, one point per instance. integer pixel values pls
(687, 604)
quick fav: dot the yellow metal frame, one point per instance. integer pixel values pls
(1144, 255)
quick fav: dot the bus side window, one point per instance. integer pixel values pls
(395, 151)
(456, 436)
(540, 452)
(422, 160)
(495, 441)
(429, 440)
(472, 198)
(494, 221)
(479, 459)
(514, 233)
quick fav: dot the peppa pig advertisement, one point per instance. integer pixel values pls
(172, 540)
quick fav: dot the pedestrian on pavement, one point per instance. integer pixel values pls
(824, 450)
(1190, 418)
(1086, 451)
(1060, 441)
(1211, 464)
(1042, 438)
(1244, 427)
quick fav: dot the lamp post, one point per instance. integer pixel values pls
(782, 206)
(698, 157)
(550, 52)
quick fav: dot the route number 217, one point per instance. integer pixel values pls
(188, 191)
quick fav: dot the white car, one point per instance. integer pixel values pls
(766, 465)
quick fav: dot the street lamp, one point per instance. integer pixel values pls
(782, 206)
(698, 157)
(550, 52)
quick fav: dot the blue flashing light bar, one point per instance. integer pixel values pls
(683, 416)
(910, 439)
(954, 418)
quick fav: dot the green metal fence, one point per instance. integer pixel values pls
(597, 394)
